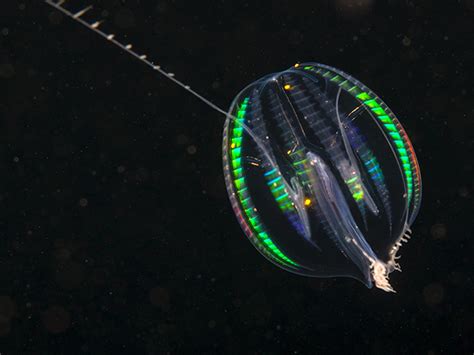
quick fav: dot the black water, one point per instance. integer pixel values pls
(116, 234)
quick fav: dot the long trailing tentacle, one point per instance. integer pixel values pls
(128, 48)
(58, 4)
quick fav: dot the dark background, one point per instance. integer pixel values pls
(116, 234)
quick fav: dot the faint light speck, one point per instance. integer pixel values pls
(83, 202)
(191, 149)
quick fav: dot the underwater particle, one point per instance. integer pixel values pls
(191, 149)
(83, 202)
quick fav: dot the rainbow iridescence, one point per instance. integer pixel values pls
(321, 175)
(389, 122)
(250, 215)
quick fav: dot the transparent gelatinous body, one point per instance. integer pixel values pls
(321, 175)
